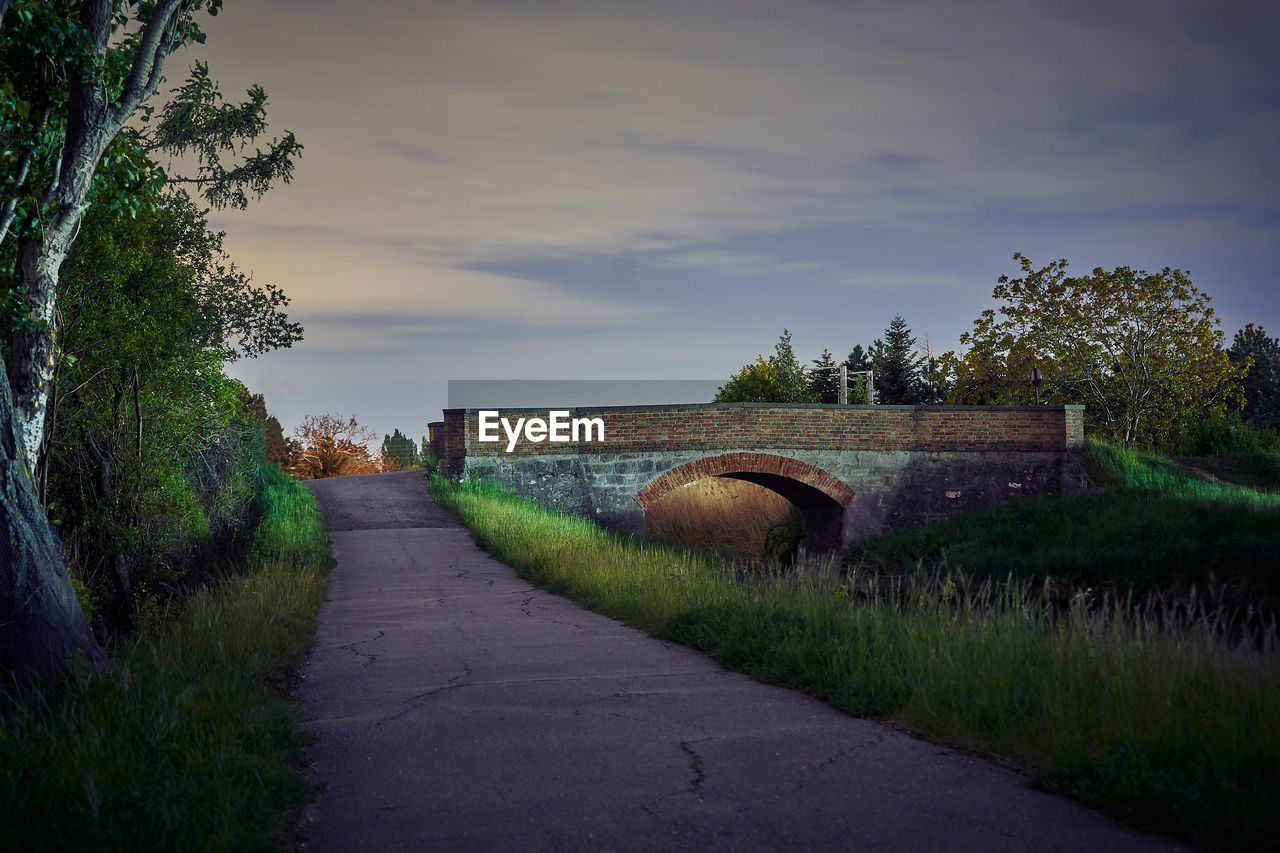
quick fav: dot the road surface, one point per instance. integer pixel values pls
(457, 708)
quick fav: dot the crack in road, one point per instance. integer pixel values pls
(695, 765)
(370, 659)
(412, 702)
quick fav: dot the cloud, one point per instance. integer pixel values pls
(505, 132)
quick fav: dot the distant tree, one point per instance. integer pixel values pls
(934, 386)
(1261, 385)
(255, 405)
(897, 366)
(1142, 351)
(859, 359)
(858, 362)
(781, 379)
(824, 379)
(793, 384)
(754, 383)
(277, 450)
(333, 446)
(398, 452)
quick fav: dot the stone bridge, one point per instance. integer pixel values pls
(853, 471)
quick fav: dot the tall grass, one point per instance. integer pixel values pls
(744, 520)
(1156, 716)
(188, 744)
(1151, 526)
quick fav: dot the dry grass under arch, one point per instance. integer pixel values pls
(721, 514)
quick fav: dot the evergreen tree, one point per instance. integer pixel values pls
(793, 385)
(399, 451)
(897, 366)
(859, 360)
(277, 449)
(824, 379)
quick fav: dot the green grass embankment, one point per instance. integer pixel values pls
(1152, 526)
(1156, 716)
(189, 744)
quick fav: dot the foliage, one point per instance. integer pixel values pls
(781, 379)
(189, 743)
(72, 75)
(1141, 351)
(196, 120)
(859, 359)
(150, 461)
(398, 453)
(824, 379)
(898, 368)
(334, 445)
(1111, 704)
(1261, 385)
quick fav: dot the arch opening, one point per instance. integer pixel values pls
(817, 499)
(745, 520)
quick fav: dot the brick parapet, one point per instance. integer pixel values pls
(724, 426)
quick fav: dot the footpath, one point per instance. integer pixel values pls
(457, 708)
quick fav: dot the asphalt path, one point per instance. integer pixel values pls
(457, 708)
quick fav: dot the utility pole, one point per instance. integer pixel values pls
(844, 385)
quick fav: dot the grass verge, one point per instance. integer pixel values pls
(1153, 716)
(189, 744)
(1156, 526)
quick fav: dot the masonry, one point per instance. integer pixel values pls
(853, 471)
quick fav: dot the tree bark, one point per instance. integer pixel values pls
(42, 628)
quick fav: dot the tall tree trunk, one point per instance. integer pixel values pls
(33, 353)
(42, 628)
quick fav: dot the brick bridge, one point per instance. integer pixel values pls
(853, 471)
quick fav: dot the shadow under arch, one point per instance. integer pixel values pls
(820, 497)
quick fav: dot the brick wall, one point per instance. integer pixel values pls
(722, 426)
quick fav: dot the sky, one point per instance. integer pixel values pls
(537, 189)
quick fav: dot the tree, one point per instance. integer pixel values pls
(42, 627)
(333, 446)
(65, 95)
(1141, 351)
(897, 366)
(824, 379)
(781, 379)
(71, 75)
(858, 362)
(859, 359)
(398, 452)
(1251, 348)
(147, 437)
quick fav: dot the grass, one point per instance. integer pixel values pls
(1260, 471)
(1154, 526)
(1153, 713)
(188, 744)
(744, 520)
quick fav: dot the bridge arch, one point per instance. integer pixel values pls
(820, 497)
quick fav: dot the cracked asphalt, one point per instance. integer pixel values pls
(457, 708)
